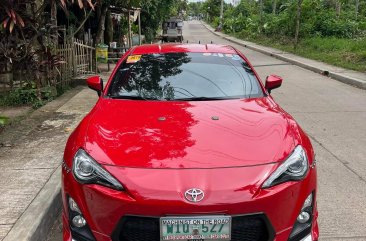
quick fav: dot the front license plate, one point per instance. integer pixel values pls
(195, 228)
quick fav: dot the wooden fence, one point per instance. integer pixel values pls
(79, 59)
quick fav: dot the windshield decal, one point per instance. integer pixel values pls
(133, 59)
(236, 57)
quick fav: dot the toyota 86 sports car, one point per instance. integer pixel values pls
(186, 143)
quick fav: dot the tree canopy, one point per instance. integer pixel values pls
(340, 18)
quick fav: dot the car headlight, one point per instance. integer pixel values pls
(87, 171)
(293, 168)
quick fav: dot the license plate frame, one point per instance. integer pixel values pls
(196, 224)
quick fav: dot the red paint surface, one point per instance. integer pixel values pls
(95, 83)
(272, 82)
(158, 160)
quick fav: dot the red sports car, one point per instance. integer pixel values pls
(186, 143)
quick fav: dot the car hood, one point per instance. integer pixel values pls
(196, 134)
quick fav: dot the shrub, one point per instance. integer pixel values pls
(328, 24)
(20, 96)
(27, 96)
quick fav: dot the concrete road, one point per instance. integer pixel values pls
(334, 115)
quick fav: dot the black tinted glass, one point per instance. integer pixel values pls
(185, 76)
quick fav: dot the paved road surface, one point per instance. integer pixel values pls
(334, 115)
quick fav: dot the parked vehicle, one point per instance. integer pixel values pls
(186, 143)
(173, 30)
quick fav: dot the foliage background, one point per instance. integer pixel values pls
(333, 31)
(30, 35)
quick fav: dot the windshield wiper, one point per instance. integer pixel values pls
(201, 98)
(130, 97)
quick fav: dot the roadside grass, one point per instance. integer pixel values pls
(346, 53)
(3, 120)
(28, 96)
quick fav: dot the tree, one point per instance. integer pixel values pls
(154, 13)
(194, 8)
(274, 6)
(102, 13)
(102, 9)
(212, 9)
(298, 16)
(28, 38)
(64, 5)
(182, 7)
(338, 6)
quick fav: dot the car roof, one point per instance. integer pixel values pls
(183, 48)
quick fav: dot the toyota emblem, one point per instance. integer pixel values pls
(194, 195)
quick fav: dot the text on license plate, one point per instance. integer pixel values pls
(195, 228)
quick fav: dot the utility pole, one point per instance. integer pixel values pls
(298, 16)
(221, 13)
(129, 29)
(274, 6)
(140, 41)
(261, 15)
(208, 14)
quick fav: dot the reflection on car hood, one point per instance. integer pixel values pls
(196, 134)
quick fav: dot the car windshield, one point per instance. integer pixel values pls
(184, 76)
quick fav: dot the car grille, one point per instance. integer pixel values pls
(244, 228)
(140, 229)
(249, 228)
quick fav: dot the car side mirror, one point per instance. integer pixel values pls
(273, 82)
(95, 83)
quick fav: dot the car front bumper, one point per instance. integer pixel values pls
(107, 210)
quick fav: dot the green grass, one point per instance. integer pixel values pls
(3, 120)
(346, 53)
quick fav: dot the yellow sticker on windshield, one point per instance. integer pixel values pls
(133, 59)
